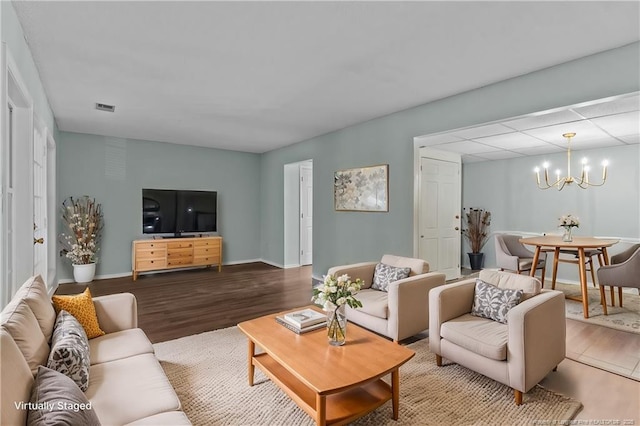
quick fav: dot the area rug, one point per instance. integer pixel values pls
(625, 318)
(209, 374)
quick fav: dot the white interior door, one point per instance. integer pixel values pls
(40, 234)
(439, 215)
(306, 214)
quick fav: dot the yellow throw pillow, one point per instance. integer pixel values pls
(81, 307)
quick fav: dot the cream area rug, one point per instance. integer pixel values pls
(625, 318)
(209, 374)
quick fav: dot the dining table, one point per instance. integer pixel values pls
(547, 243)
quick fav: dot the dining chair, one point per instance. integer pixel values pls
(624, 271)
(512, 255)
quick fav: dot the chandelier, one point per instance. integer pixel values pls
(560, 182)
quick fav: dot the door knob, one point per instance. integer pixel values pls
(457, 217)
(38, 241)
(456, 228)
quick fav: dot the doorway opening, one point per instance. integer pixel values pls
(298, 214)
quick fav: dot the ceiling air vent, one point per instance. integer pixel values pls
(105, 107)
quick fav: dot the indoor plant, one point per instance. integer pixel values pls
(568, 222)
(334, 294)
(477, 234)
(82, 225)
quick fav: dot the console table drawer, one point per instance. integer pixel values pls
(150, 245)
(179, 244)
(206, 260)
(152, 254)
(206, 251)
(180, 261)
(150, 265)
(173, 253)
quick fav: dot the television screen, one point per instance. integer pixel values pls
(173, 211)
(196, 211)
(158, 211)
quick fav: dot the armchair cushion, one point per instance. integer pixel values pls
(374, 303)
(418, 266)
(530, 286)
(386, 274)
(479, 335)
(492, 302)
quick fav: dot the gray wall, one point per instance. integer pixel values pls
(341, 237)
(114, 171)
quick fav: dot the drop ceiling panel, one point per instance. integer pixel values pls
(540, 150)
(499, 155)
(467, 147)
(626, 104)
(511, 141)
(584, 131)
(543, 120)
(619, 124)
(482, 131)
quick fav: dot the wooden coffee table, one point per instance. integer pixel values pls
(333, 384)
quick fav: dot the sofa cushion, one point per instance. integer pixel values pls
(479, 335)
(530, 286)
(130, 389)
(386, 274)
(118, 345)
(58, 401)
(418, 266)
(16, 381)
(492, 302)
(374, 303)
(70, 350)
(20, 322)
(81, 306)
(34, 292)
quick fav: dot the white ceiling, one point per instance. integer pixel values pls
(256, 76)
(597, 124)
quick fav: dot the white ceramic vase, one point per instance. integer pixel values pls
(84, 273)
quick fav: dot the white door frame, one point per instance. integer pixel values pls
(292, 213)
(16, 230)
(419, 152)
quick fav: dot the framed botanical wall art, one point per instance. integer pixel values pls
(365, 189)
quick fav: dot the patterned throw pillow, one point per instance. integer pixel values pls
(386, 274)
(70, 350)
(492, 302)
(51, 396)
(81, 307)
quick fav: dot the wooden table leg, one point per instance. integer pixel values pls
(583, 281)
(603, 299)
(395, 392)
(536, 256)
(252, 349)
(321, 410)
(556, 256)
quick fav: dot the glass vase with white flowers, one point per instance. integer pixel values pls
(568, 222)
(335, 294)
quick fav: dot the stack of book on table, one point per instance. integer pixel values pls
(303, 320)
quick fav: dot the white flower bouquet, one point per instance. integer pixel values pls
(334, 294)
(83, 221)
(569, 221)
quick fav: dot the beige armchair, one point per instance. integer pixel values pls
(403, 310)
(518, 354)
(624, 271)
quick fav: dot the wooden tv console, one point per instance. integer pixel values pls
(161, 254)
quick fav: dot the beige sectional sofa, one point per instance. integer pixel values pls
(127, 385)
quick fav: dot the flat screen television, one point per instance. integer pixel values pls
(176, 211)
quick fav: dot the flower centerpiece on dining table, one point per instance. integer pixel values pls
(335, 294)
(568, 222)
(82, 220)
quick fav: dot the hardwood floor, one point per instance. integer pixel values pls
(181, 303)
